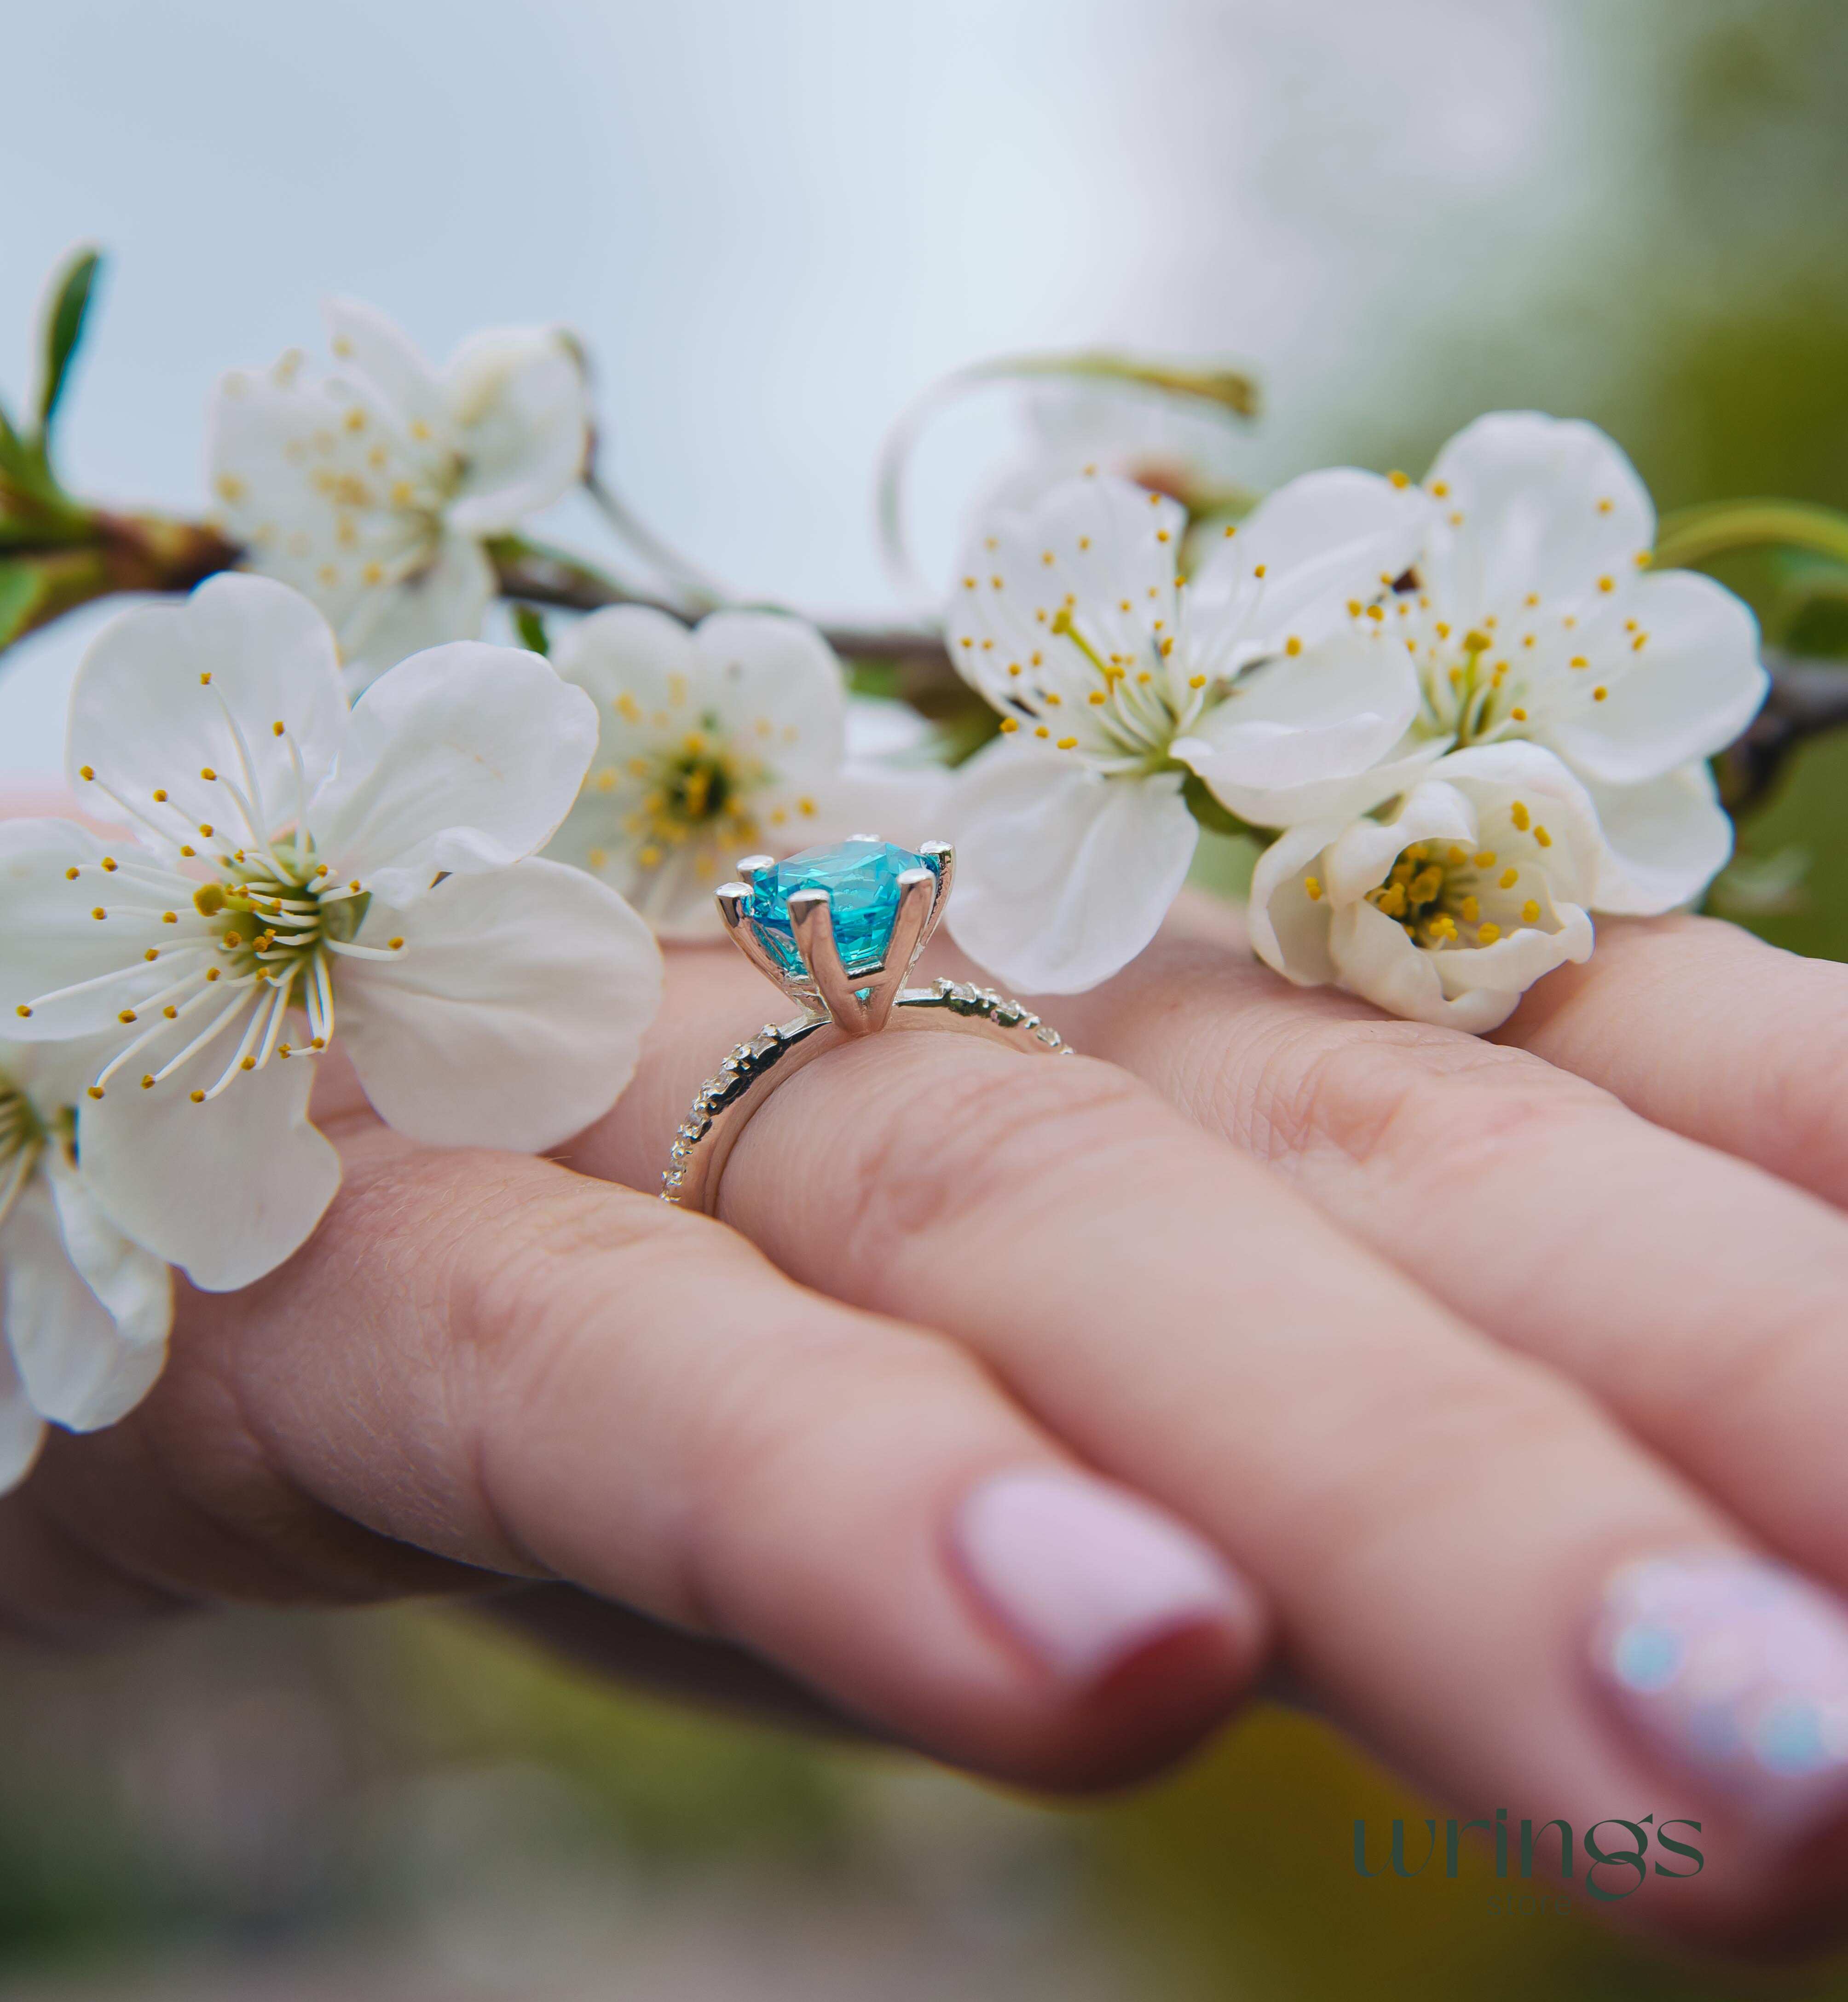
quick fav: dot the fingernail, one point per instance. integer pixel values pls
(1086, 1576)
(1737, 1670)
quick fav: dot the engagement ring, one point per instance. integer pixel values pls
(838, 929)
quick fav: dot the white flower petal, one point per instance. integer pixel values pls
(1514, 963)
(1694, 688)
(1331, 713)
(1291, 569)
(1531, 504)
(1664, 841)
(464, 757)
(54, 940)
(87, 1311)
(227, 1190)
(633, 650)
(1339, 799)
(1378, 961)
(521, 406)
(168, 693)
(1062, 877)
(1108, 546)
(1494, 775)
(513, 1015)
(1288, 927)
(776, 688)
(443, 596)
(22, 1431)
(368, 341)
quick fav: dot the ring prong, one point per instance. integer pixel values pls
(944, 855)
(811, 920)
(750, 866)
(911, 925)
(733, 901)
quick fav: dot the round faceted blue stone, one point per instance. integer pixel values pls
(861, 878)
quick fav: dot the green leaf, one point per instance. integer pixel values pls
(531, 630)
(64, 330)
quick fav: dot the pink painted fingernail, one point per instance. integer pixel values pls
(1737, 1670)
(1084, 1575)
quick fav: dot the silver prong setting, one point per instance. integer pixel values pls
(811, 921)
(751, 866)
(734, 900)
(943, 855)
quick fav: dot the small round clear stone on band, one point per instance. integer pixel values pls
(838, 929)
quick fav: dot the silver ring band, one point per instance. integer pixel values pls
(726, 1102)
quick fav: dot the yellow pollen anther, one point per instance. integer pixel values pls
(1040, 729)
(171, 1012)
(95, 1091)
(1600, 694)
(99, 912)
(1487, 934)
(198, 1097)
(1542, 837)
(215, 973)
(1604, 507)
(1258, 569)
(1067, 744)
(1518, 813)
(1008, 724)
(1292, 646)
(1313, 888)
(1509, 878)
(1097, 698)
(1607, 584)
(1196, 680)
(152, 953)
(71, 875)
(1519, 715)
(277, 729)
(205, 680)
(397, 944)
(1230, 531)
(85, 771)
(23, 1013)
(1530, 912)
(1398, 478)
(1440, 488)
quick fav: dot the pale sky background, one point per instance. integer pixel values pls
(774, 221)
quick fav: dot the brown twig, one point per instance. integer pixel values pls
(1808, 698)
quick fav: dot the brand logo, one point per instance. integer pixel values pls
(1613, 1869)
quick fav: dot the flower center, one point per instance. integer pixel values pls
(1121, 710)
(696, 788)
(1471, 691)
(1444, 895)
(279, 915)
(22, 1135)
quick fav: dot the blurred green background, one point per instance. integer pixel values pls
(409, 1804)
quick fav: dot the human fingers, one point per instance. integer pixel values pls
(1436, 1519)
(1695, 1296)
(1700, 1026)
(486, 1362)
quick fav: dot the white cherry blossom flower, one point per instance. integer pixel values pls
(291, 866)
(737, 738)
(1110, 673)
(1534, 617)
(371, 485)
(84, 1313)
(1446, 907)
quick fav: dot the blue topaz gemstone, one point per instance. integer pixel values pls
(861, 878)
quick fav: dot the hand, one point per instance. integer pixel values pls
(484, 1362)
(1508, 1333)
